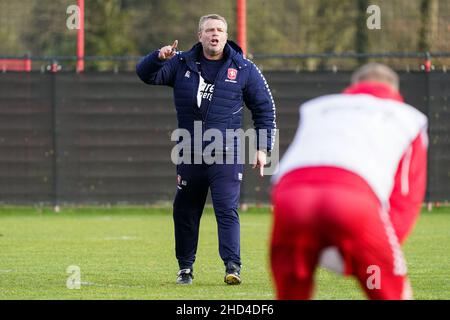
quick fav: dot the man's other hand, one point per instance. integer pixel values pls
(260, 161)
(168, 52)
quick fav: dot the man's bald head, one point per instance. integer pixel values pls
(376, 72)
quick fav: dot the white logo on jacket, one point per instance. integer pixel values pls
(205, 91)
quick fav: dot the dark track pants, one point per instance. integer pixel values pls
(194, 180)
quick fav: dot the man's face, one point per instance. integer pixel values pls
(213, 37)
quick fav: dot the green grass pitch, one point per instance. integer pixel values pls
(128, 253)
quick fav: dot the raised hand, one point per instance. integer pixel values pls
(168, 52)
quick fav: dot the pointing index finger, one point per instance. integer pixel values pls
(175, 44)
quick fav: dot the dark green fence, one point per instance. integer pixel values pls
(105, 137)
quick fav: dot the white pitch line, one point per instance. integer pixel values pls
(94, 284)
(120, 238)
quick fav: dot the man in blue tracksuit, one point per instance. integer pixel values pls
(211, 83)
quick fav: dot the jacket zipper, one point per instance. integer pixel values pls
(209, 103)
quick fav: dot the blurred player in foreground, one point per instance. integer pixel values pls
(349, 188)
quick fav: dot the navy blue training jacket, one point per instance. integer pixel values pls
(239, 81)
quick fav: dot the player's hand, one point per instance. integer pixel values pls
(168, 52)
(260, 161)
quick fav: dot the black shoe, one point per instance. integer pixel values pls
(232, 273)
(185, 276)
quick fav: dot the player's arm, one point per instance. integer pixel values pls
(409, 187)
(259, 100)
(158, 67)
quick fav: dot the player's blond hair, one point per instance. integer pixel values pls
(214, 16)
(376, 72)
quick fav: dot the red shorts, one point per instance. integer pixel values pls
(319, 208)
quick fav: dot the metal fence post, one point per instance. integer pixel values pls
(427, 69)
(55, 184)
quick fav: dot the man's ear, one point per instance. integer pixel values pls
(199, 34)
